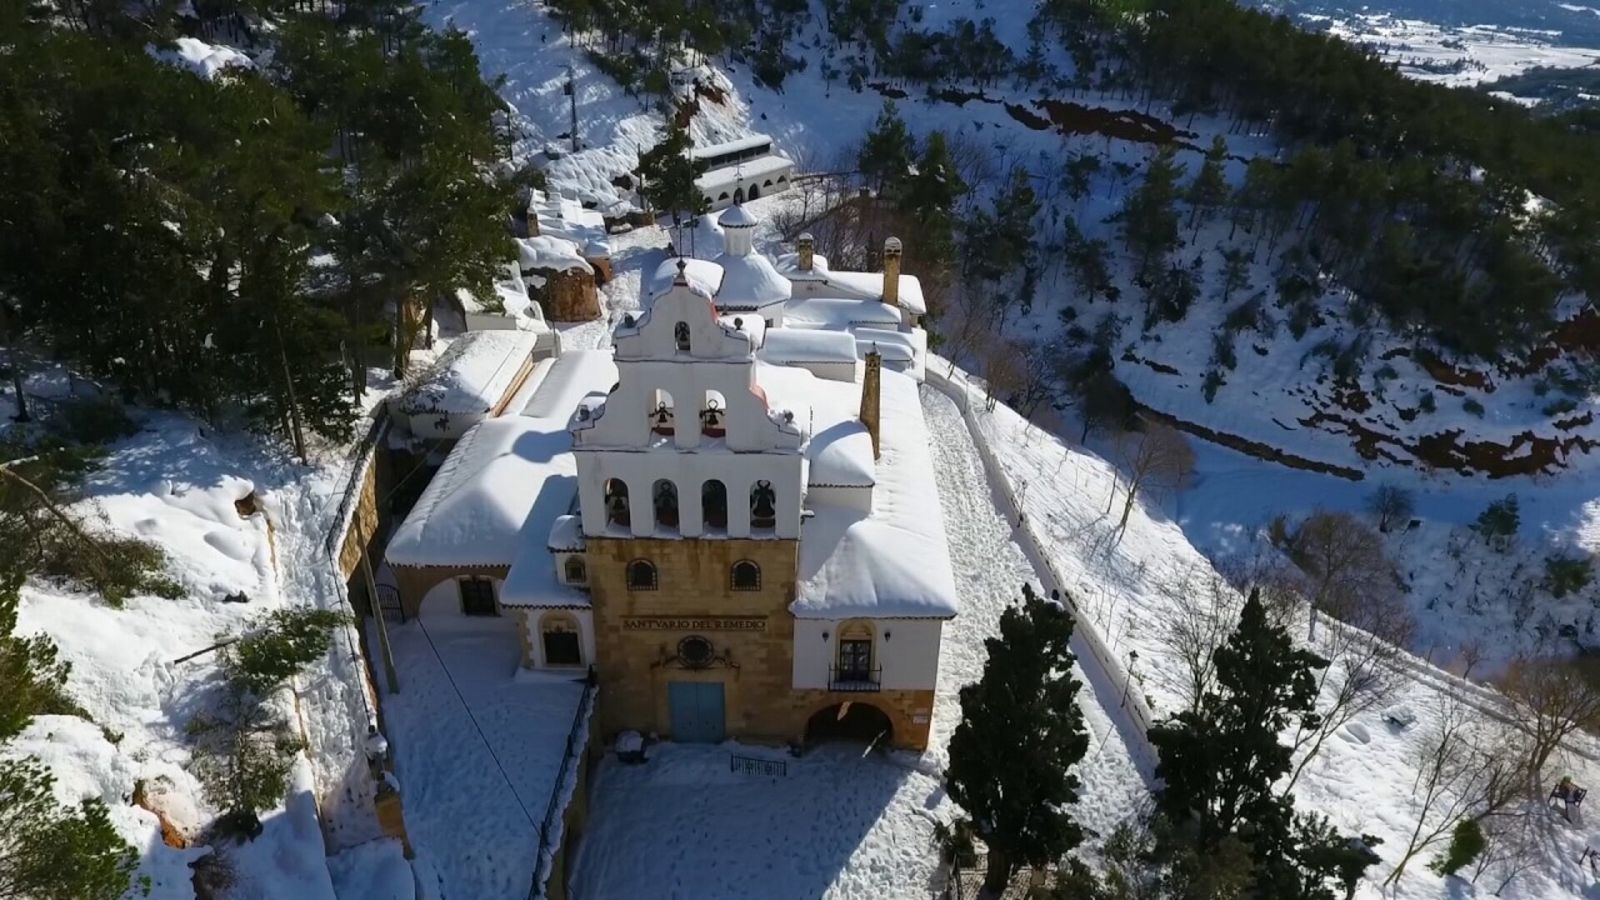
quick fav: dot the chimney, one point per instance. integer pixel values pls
(871, 387)
(805, 249)
(891, 271)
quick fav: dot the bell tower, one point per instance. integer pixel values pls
(690, 484)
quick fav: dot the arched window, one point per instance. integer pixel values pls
(641, 575)
(617, 502)
(680, 336)
(738, 195)
(558, 632)
(714, 415)
(763, 513)
(723, 195)
(662, 415)
(745, 576)
(666, 500)
(714, 503)
(755, 192)
(577, 572)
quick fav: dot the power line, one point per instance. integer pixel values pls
(474, 719)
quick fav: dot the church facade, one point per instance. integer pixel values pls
(751, 550)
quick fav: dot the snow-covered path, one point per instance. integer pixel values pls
(838, 824)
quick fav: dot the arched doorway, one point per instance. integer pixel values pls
(853, 721)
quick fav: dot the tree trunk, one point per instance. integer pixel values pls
(997, 875)
(1127, 507)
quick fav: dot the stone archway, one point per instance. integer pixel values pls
(852, 720)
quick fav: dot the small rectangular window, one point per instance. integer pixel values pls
(561, 648)
(477, 597)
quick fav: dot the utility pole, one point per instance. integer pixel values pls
(572, 103)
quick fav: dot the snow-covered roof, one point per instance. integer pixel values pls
(893, 562)
(749, 282)
(504, 475)
(839, 449)
(825, 282)
(472, 375)
(548, 252)
(806, 345)
(533, 581)
(702, 274)
(562, 217)
(735, 216)
(566, 534)
(751, 142)
(839, 314)
(751, 171)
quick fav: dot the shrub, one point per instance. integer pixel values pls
(92, 420)
(1560, 407)
(1471, 405)
(1499, 522)
(1427, 403)
(242, 758)
(47, 851)
(1222, 351)
(1209, 387)
(1565, 575)
(32, 679)
(1466, 842)
(279, 647)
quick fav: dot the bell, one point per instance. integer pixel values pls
(711, 419)
(761, 508)
(618, 506)
(663, 418)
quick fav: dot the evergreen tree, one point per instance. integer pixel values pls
(1021, 732)
(1221, 758)
(887, 152)
(1149, 221)
(51, 853)
(667, 173)
(1209, 188)
(32, 677)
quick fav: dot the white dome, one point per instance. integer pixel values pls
(736, 217)
(750, 281)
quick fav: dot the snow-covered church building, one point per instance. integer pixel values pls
(740, 544)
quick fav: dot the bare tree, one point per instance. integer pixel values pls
(1451, 771)
(1156, 461)
(1003, 372)
(1390, 504)
(1203, 612)
(1343, 560)
(1362, 673)
(1554, 700)
(1513, 845)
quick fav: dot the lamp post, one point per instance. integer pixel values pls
(1127, 684)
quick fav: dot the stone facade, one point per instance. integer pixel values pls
(637, 634)
(568, 295)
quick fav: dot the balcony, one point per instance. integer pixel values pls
(855, 681)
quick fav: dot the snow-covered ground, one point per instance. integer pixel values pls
(174, 483)
(1455, 55)
(478, 744)
(841, 824)
(1363, 779)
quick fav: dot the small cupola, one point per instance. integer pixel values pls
(738, 230)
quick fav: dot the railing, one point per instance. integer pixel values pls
(544, 858)
(855, 681)
(361, 456)
(755, 765)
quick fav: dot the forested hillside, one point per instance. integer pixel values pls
(242, 239)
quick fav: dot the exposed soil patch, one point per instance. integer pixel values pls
(710, 92)
(1526, 454)
(1445, 373)
(1124, 124)
(686, 111)
(1163, 368)
(1027, 117)
(1255, 448)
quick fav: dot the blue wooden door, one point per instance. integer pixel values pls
(697, 711)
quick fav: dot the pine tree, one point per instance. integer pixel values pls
(51, 853)
(1021, 733)
(1209, 188)
(887, 152)
(667, 172)
(32, 677)
(1149, 222)
(1220, 759)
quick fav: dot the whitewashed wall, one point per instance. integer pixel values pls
(909, 657)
